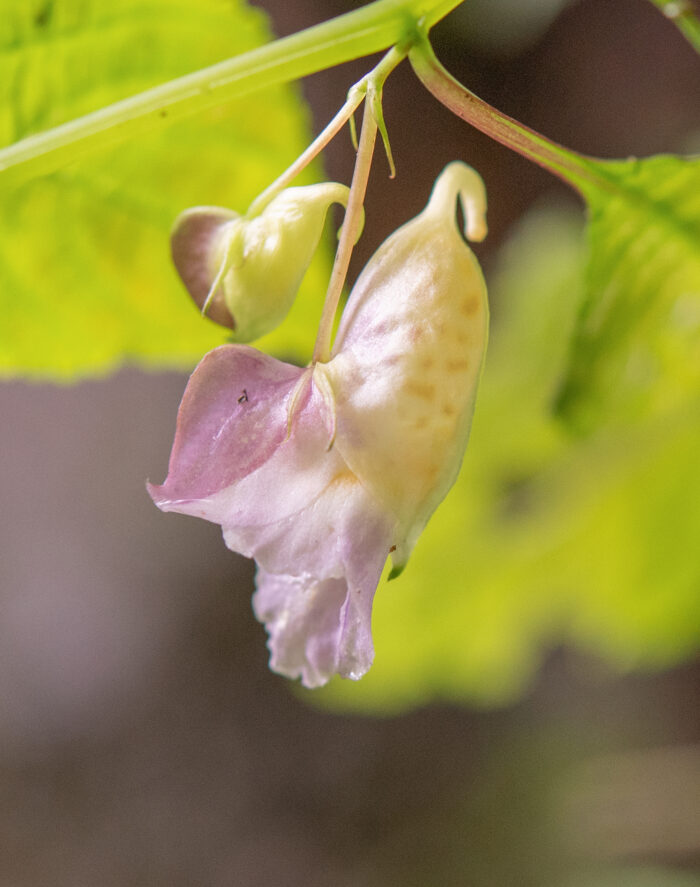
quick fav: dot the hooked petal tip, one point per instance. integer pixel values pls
(460, 181)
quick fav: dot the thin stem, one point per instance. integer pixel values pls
(574, 168)
(348, 234)
(680, 12)
(303, 160)
(369, 29)
(355, 96)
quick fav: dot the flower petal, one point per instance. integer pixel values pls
(319, 536)
(407, 362)
(303, 618)
(333, 535)
(316, 582)
(296, 473)
(231, 420)
(192, 244)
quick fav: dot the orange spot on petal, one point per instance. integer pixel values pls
(421, 389)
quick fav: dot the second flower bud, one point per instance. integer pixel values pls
(244, 273)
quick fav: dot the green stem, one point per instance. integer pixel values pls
(349, 233)
(574, 168)
(680, 12)
(370, 29)
(303, 160)
(356, 95)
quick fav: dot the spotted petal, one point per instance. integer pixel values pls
(408, 357)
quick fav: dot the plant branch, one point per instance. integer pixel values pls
(573, 168)
(372, 28)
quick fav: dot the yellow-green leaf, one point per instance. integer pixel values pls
(636, 347)
(85, 275)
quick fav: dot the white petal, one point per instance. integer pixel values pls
(316, 581)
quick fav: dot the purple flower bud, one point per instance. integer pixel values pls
(244, 273)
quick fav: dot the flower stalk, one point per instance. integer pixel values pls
(372, 122)
(355, 97)
(348, 234)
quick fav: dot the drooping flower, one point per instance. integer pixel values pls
(321, 473)
(244, 273)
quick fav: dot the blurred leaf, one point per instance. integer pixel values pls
(85, 274)
(637, 341)
(544, 539)
(643, 876)
(504, 26)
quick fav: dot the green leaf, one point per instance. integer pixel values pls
(86, 281)
(644, 876)
(636, 346)
(546, 538)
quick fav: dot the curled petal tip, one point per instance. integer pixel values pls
(476, 228)
(460, 181)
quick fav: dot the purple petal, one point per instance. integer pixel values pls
(319, 537)
(316, 582)
(192, 246)
(303, 620)
(297, 470)
(231, 420)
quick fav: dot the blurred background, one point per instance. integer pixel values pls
(143, 740)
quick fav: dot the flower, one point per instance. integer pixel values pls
(320, 473)
(243, 272)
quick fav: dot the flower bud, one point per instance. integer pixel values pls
(244, 273)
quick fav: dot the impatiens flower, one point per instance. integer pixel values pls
(321, 473)
(244, 272)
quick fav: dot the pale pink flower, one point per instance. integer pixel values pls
(320, 473)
